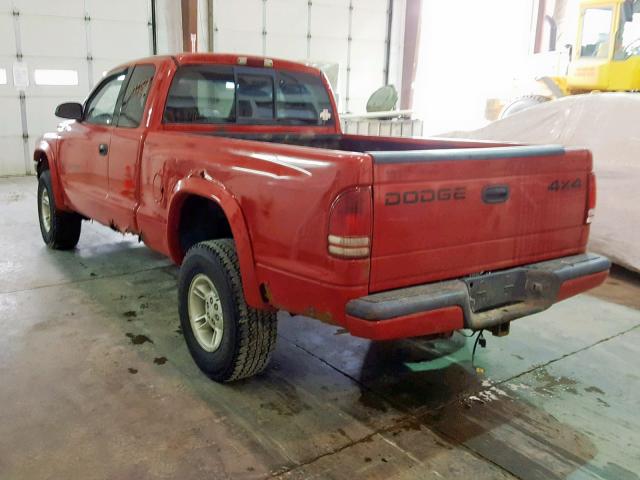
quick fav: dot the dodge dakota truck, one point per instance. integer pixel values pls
(237, 169)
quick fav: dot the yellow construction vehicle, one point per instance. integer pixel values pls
(605, 57)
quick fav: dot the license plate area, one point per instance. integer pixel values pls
(494, 290)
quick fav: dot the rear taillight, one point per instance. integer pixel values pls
(591, 198)
(350, 224)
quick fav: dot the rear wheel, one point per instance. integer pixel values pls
(227, 339)
(60, 230)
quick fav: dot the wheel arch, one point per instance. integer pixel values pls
(45, 159)
(197, 186)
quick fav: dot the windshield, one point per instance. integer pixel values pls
(596, 32)
(209, 94)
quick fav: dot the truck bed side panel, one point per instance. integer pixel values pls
(285, 194)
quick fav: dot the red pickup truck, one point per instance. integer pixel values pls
(237, 169)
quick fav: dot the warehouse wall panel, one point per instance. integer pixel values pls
(238, 26)
(118, 10)
(7, 36)
(11, 156)
(285, 38)
(66, 8)
(48, 36)
(131, 42)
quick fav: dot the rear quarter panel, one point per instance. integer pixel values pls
(284, 193)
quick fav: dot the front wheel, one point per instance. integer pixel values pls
(227, 338)
(60, 230)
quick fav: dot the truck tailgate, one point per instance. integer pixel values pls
(442, 214)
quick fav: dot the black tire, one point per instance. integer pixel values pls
(63, 230)
(522, 103)
(248, 334)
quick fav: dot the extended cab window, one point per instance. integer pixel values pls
(201, 94)
(102, 103)
(135, 96)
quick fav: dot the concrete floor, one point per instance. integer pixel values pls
(96, 382)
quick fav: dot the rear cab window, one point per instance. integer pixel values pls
(201, 94)
(255, 97)
(214, 94)
(302, 99)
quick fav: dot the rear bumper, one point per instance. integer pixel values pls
(475, 302)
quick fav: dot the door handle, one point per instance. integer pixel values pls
(103, 149)
(495, 194)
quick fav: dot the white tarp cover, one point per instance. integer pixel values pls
(609, 125)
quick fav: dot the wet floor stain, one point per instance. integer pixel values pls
(373, 400)
(549, 384)
(13, 197)
(288, 402)
(160, 360)
(476, 425)
(132, 370)
(593, 389)
(139, 339)
(285, 410)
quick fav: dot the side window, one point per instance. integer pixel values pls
(255, 97)
(102, 104)
(135, 96)
(201, 94)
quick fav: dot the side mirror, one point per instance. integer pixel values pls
(71, 110)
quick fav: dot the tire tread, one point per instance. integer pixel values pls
(65, 226)
(257, 329)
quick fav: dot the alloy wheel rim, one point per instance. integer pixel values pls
(205, 313)
(45, 210)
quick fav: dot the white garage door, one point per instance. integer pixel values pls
(351, 33)
(55, 51)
